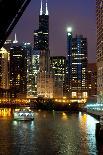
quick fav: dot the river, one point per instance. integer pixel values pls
(50, 133)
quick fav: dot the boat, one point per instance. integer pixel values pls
(23, 114)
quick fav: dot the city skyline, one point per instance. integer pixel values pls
(86, 25)
(51, 77)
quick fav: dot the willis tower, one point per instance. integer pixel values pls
(43, 77)
(41, 36)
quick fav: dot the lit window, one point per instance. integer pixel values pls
(85, 94)
(74, 94)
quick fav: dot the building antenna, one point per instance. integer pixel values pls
(47, 13)
(15, 40)
(41, 9)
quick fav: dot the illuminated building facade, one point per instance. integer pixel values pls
(44, 77)
(77, 66)
(45, 85)
(99, 21)
(18, 71)
(4, 72)
(35, 56)
(92, 79)
(58, 67)
(28, 48)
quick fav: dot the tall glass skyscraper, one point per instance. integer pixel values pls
(34, 71)
(58, 67)
(99, 21)
(77, 66)
(41, 46)
(41, 36)
(18, 71)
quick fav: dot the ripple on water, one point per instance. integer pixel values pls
(50, 133)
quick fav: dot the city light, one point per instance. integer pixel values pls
(69, 29)
(48, 87)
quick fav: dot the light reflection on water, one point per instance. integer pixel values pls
(50, 133)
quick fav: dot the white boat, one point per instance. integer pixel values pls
(23, 115)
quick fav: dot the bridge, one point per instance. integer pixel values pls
(10, 13)
(94, 109)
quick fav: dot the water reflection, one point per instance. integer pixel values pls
(5, 112)
(87, 125)
(64, 116)
(58, 133)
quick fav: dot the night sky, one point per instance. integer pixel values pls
(80, 14)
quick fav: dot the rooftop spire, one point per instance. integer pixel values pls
(41, 9)
(47, 13)
(15, 40)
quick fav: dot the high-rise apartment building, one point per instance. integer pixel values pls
(58, 67)
(18, 71)
(28, 48)
(35, 55)
(99, 21)
(4, 72)
(4, 69)
(77, 66)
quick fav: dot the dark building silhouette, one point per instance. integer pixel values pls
(18, 71)
(77, 66)
(41, 36)
(92, 79)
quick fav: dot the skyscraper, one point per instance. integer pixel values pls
(4, 72)
(58, 66)
(99, 21)
(35, 56)
(28, 49)
(41, 46)
(18, 71)
(77, 66)
(92, 79)
(41, 36)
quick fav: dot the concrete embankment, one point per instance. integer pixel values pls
(99, 127)
(95, 114)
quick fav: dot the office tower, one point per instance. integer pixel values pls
(99, 21)
(35, 55)
(28, 48)
(92, 80)
(41, 46)
(4, 72)
(58, 67)
(45, 85)
(77, 66)
(41, 36)
(18, 71)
